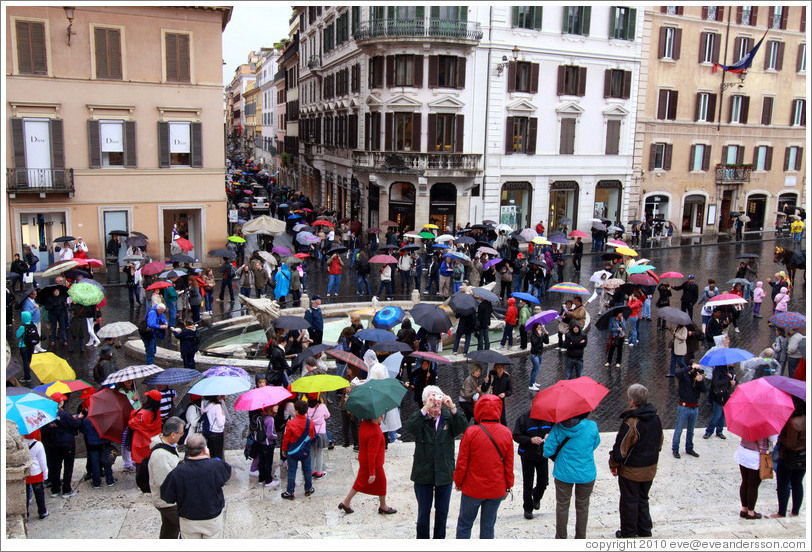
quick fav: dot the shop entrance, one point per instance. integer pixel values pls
(693, 214)
(756, 208)
(443, 206)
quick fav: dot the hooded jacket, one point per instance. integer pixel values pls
(483, 314)
(512, 313)
(282, 282)
(525, 429)
(759, 293)
(782, 300)
(638, 443)
(145, 425)
(575, 343)
(480, 472)
(575, 462)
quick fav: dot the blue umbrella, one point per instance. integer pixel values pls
(220, 385)
(30, 410)
(459, 255)
(172, 376)
(725, 356)
(525, 297)
(392, 363)
(294, 217)
(441, 246)
(388, 317)
(372, 334)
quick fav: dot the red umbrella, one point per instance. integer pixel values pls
(348, 357)
(92, 263)
(567, 398)
(578, 234)
(322, 222)
(383, 259)
(301, 255)
(642, 279)
(184, 244)
(109, 412)
(389, 223)
(428, 355)
(153, 268)
(671, 274)
(160, 284)
(757, 409)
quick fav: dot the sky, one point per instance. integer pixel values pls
(252, 26)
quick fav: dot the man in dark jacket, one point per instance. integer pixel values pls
(434, 427)
(634, 459)
(59, 440)
(574, 343)
(483, 315)
(577, 253)
(691, 380)
(690, 295)
(433, 274)
(316, 319)
(278, 367)
(57, 306)
(529, 433)
(466, 326)
(17, 270)
(498, 383)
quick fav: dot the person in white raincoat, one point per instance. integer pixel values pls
(391, 420)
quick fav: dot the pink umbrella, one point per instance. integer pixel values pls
(428, 355)
(757, 409)
(152, 268)
(578, 234)
(92, 263)
(671, 274)
(261, 397)
(383, 259)
(281, 250)
(727, 299)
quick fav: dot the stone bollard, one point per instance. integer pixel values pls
(415, 296)
(304, 301)
(18, 467)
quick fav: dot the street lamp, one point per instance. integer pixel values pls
(69, 13)
(500, 67)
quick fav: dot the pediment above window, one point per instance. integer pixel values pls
(446, 103)
(615, 110)
(569, 108)
(402, 102)
(374, 101)
(521, 107)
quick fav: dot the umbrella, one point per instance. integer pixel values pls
(489, 356)
(48, 291)
(116, 329)
(322, 222)
(431, 226)
(431, 317)
(220, 385)
(757, 409)
(137, 241)
(174, 273)
(392, 347)
(488, 250)
(598, 225)
(433, 357)
(602, 323)
(540, 240)
(627, 289)
(281, 250)
(59, 268)
(261, 397)
(444, 238)
(393, 362)
(426, 235)
(541, 318)
(132, 372)
(222, 252)
(788, 320)
(570, 287)
(611, 256)
(675, 316)
(374, 334)
(320, 382)
(92, 263)
(796, 388)
(230, 371)
(565, 220)
(578, 234)
(567, 398)
(264, 224)
(463, 304)
(184, 244)
(181, 258)
(639, 268)
(389, 223)
(735, 213)
(528, 234)
(727, 299)
(479, 227)
(313, 350)
(172, 376)
(744, 218)
(109, 412)
(13, 368)
(486, 294)
(338, 249)
(614, 228)
(465, 240)
(383, 259)
(635, 222)
(48, 367)
(525, 297)
(626, 251)
(596, 276)
(558, 239)
(410, 247)
(306, 238)
(267, 257)
(388, 317)
(441, 246)
(236, 239)
(373, 231)
(748, 256)
(346, 357)
(725, 356)
(294, 217)
(153, 268)
(301, 256)
(30, 410)
(293, 259)
(160, 284)
(299, 226)
(64, 239)
(291, 323)
(388, 246)
(374, 398)
(643, 279)
(491, 263)
(118, 233)
(671, 274)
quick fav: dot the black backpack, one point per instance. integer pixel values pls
(30, 336)
(142, 475)
(144, 331)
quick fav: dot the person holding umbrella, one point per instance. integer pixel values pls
(663, 300)
(498, 383)
(530, 433)
(617, 336)
(145, 423)
(538, 339)
(690, 294)
(679, 348)
(723, 381)
(58, 438)
(334, 270)
(574, 343)
(791, 466)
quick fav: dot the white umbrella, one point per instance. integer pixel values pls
(412, 235)
(596, 277)
(267, 257)
(264, 225)
(392, 363)
(444, 238)
(505, 227)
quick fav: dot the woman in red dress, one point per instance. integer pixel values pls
(371, 478)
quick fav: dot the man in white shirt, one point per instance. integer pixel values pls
(66, 253)
(163, 459)
(215, 411)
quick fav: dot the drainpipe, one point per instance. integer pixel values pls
(487, 110)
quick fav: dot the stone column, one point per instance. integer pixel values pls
(18, 467)
(421, 213)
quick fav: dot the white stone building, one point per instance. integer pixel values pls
(265, 147)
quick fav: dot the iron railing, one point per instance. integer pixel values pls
(39, 180)
(431, 27)
(733, 173)
(414, 162)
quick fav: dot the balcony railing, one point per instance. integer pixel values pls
(39, 181)
(419, 28)
(733, 174)
(394, 162)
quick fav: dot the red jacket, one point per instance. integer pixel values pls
(480, 472)
(145, 427)
(335, 266)
(635, 304)
(294, 429)
(512, 313)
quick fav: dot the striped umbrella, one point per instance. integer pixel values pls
(117, 329)
(132, 372)
(347, 357)
(570, 287)
(788, 320)
(63, 386)
(428, 355)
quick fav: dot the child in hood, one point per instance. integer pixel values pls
(28, 338)
(758, 298)
(511, 317)
(188, 343)
(39, 473)
(782, 300)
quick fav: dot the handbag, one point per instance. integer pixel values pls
(501, 457)
(28, 278)
(765, 465)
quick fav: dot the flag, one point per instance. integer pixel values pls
(744, 63)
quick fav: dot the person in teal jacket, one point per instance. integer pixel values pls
(282, 284)
(170, 300)
(572, 442)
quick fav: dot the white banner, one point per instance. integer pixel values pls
(180, 138)
(112, 136)
(37, 145)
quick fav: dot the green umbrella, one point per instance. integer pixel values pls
(374, 398)
(426, 235)
(639, 269)
(292, 260)
(86, 294)
(236, 239)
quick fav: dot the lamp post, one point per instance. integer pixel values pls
(69, 14)
(500, 67)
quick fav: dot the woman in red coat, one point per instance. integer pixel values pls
(145, 424)
(371, 478)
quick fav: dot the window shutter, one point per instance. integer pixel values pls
(582, 81)
(798, 59)
(720, 13)
(724, 155)
(24, 57)
(561, 79)
(431, 133)
(803, 113)
(779, 62)
(691, 156)
(652, 156)
(509, 135)
(737, 47)
(366, 132)
(706, 157)
(672, 104)
(768, 159)
(696, 106)
(534, 78)
(717, 42)
(420, 14)
(612, 137)
(171, 57)
(418, 72)
(114, 53)
(745, 109)
(537, 11)
(679, 10)
(163, 144)
(755, 155)
(434, 12)
(416, 130)
(39, 65)
(703, 43)
(767, 110)
(511, 84)
(459, 129)
(767, 55)
(93, 144)
(663, 9)
(739, 155)
(532, 130)
(130, 147)
(803, 19)
(607, 82)
(677, 43)
(586, 15)
(627, 84)
(567, 145)
(739, 13)
(786, 158)
(102, 69)
(379, 61)
(662, 104)
(704, 12)
(667, 158)
(799, 159)
(631, 31)
(389, 121)
(730, 110)
(565, 17)
(57, 144)
(390, 71)
(754, 16)
(711, 108)
(612, 16)
(661, 45)
(18, 142)
(784, 14)
(197, 144)
(461, 72)
(434, 71)
(514, 21)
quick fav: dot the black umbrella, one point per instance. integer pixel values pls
(181, 258)
(485, 294)
(735, 214)
(313, 350)
(391, 347)
(48, 291)
(64, 239)
(337, 249)
(481, 243)
(675, 316)
(410, 247)
(491, 222)
(611, 256)
(118, 233)
(603, 320)
(463, 304)
(748, 256)
(73, 273)
(138, 234)
(635, 222)
(464, 230)
(479, 227)
(431, 317)
(489, 356)
(658, 219)
(388, 246)
(291, 323)
(466, 240)
(222, 252)
(24, 294)
(137, 241)
(538, 262)
(626, 289)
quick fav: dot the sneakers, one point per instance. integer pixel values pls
(331, 445)
(69, 494)
(130, 469)
(272, 484)
(55, 495)
(310, 491)
(606, 364)
(288, 496)
(254, 473)
(737, 330)
(617, 365)
(534, 387)
(45, 515)
(112, 483)
(318, 475)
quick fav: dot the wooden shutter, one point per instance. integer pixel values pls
(697, 105)
(703, 43)
(677, 44)
(534, 78)
(767, 54)
(582, 81)
(31, 55)
(803, 19)
(717, 43)
(737, 47)
(730, 110)
(754, 16)
(567, 145)
(417, 72)
(461, 73)
(586, 16)
(662, 104)
(768, 159)
(799, 58)
(434, 71)
(93, 144)
(799, 159)
(562, 79)
(57, 144)
(784, 14)
(102, 67)
(779, 62)
(511, 84)
(652, 156)
(416, 131)
(366, 132)
(627, 84)
(607, 82)
(739, 13)
(692, 155)
(130, 145)
(164, 159)
(171, 57)
(197, 144)
(724, 155)
(108, 53)
(786, 158)
(706, 157)
(739, 155)
(509, 122)
(18, 142)
(767, 110)
(459, 130)
(679, 10)
(431, 133)
(745, 109)
(704, 12)
(661, 45)
(711, 108)
(612, 137)
(669, 148)
(379, 62)
(390, 71)
(803, 112)
(532, 130)
(672, 104)
(389, 129)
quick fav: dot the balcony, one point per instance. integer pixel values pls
(733, 174)
(425, 164)
(314, 63)
(39, 181)
(469, 32)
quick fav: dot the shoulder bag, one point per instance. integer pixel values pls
(502, 458)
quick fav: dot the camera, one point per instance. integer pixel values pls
(700, 371)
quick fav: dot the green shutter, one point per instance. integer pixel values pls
(434, 12)
(565, 18)
(612, 20)
(420, 13)
(463, 13)
(514, 22)
(632, 24)
(390, 12)
(537, 11)
(586, 16)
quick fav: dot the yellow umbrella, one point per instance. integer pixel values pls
(319, 383)
(66, 387)
(48, 367)
(432, 226)
(539, 240)
(626, 251)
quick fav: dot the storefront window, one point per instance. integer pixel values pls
(401, 204)
(515, 203)
(608, 200)
(443, 206)
(563, 203)
(693, 214)
(656, 206)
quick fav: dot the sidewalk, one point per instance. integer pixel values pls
(692, 498)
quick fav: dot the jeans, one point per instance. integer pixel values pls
(686, 418)
(404, 281)
(456, 286)
(25, 354)
(635, 519)
(308, 475)
(676, 360)
(538, 470)
(226, 283)
(432, 280)
(134, 293)
(150, 348)
(507, 335)
(517, 283)
(365, 281)
(208, 300)
(215, 444)
(563, 496)
(418, 275)
(574, 367)
(441, 496)
(617, 345)
(483, 340)
(645, 312)
(62, 320)
(535, 360)
(354, 256)
(385, 284)
(717, 419)
(786, 480)
(469, 508)
(458, 337)
(59, 457)
(633, 330)
(332, 283)
(687, 308)
(99, 465)
(38, 490)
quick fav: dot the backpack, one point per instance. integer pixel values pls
(231, 272)
(300, 449)
(144, 331)
(30, 336)
(204, 426)
(186, 426)
(142, 475)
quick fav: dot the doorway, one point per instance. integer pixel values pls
(401, 204)
(563, 203)
(443, 206)
(373, 206)
(39, 230)
(756, 209)
(725, 222)
(693, 214)
(116, 220)
(187, 222)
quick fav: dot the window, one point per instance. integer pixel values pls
(108, 53)
(445, 132)
(747, 15)
(31, 55)
(798, 113)
(38, 145)
(705, 107)
(567, 141)
(670, 43)
(180, 144)
(376, 72)
(778, 17)
(177, 58)
(660, 156)
(521, 135)
(617, 84)
(733, 155)
(741, 46)
(372, 131)
(767, 110)
(527, 17)
(713, 13)
(403, 132)
(739, 109)
(622, 23)
(709, 47)
(667, 105)
(699, 160)
(576, 20)
(111, 143)
(328, 38)
(404, 70)
(404, 66)
(571, 80)
(342, 28)
(763, 158)
(800, 65)
(612, 137)
(355, 78)
(447, 71)
(356, 18)
(774, 56)
(793, 158)
(671, 10)
(523, 76)
(521, 80)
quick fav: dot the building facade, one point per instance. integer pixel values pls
(265, 149)
(116, 125)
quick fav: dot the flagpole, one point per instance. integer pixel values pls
(724, 72)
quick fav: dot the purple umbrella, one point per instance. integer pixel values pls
(541, 318)
(558, 239)
(490, 263)
(226, 371)
(281, 250)
(792, 386)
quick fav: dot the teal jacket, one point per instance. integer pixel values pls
(434, 448)
(575, 462)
